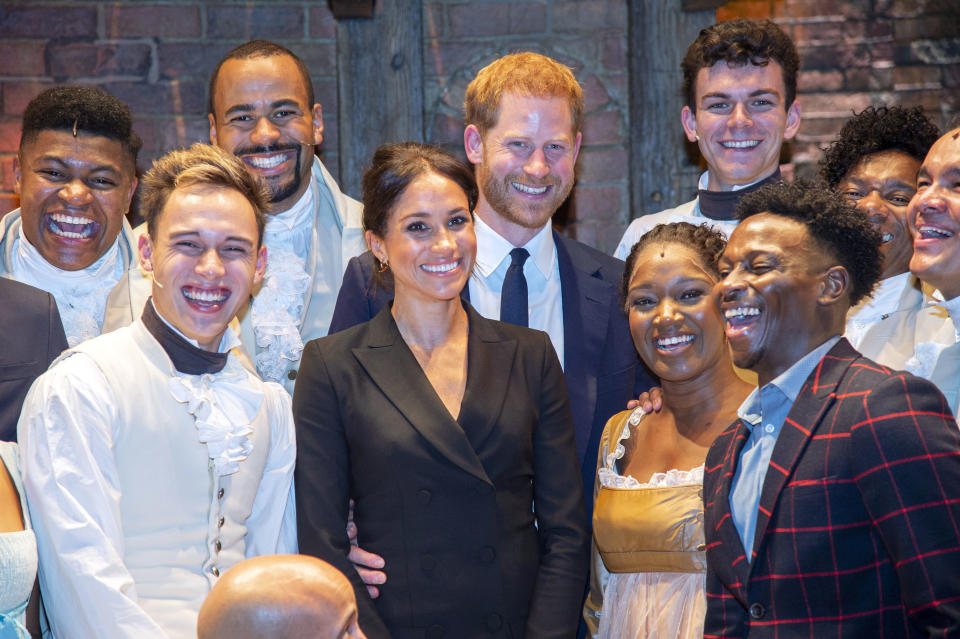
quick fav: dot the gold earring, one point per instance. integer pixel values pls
(383, 267)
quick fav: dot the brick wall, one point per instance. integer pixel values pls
(157, 55)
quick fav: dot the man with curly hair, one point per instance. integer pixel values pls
(874, 163)
(740, 87)
(832, 505)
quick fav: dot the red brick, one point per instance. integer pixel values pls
(602, 128)
(320, 58)
(434, 23)
(594, 93)
(16, 95)
(589, 15)
(602, 165)
(917, 77)
(249, 22)
(934, 27)
(190, 59)
(179, 131)
(21, 58)
(9, 134)
(322, 22)
(479, 20)
(152, 21)
(144, 129)
(756, 9)
(325, 93)
(868, 29)
(831, 80)
(9, 176)
(445, 129)
(597, 203)
(444, 58)
(825, 127)
(88, 59)
(818, 32)
(28, 21)
(161, 97)
(868, 79)
(951, 75)
(834, 104)
(331, 134)
(613, 53)
(9, 202)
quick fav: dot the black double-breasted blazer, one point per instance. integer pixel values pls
(480, 519)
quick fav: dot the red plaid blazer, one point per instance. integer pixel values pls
(858, 533)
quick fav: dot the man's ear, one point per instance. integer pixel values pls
(689, 121)
(145, 250)
(317, 124)
(261, 265)
(473, 144)
(213, 129)
(794, 114)
(834, 285)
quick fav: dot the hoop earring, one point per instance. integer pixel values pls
(383, 267)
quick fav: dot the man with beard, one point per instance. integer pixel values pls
(153, 459)
(76, 174)
(832, 505)
(262, 110)
(524, 114)
(740, 84)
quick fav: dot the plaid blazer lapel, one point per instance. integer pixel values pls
(733, 570)
(813, 401)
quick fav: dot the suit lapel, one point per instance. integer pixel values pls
(734, 571)
(396, 372)
(586, 310)
(805, 416)
(490, 360)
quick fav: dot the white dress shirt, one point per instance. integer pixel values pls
(542, 272)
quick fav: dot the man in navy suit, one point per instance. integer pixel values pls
(832, 505)
(524, 114)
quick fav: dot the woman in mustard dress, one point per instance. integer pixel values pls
(649, 561)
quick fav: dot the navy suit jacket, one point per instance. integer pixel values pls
(601, 366)
(31, 336)
(858, 532)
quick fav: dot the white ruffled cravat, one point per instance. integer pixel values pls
(223, 406)
(277, 309)
(81, 295)
(926, 354)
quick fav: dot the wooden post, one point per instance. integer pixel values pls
(664, 167)
(380, 84)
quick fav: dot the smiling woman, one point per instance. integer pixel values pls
(648, 579)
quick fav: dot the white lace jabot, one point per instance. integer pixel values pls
(277, 309)
(81, 295)
(611, 478)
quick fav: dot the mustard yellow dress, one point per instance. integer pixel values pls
(649, 562)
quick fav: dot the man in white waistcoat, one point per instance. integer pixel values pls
(153, 458)
(75, 174)
(262, 109)
(740, 87)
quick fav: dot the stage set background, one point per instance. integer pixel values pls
(402, 73)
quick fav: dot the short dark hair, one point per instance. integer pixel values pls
(199, 165)
(394, 167)
(705, 241)
(874, 130)
(838, 228)
(81, 109)
(740, 42)
(260, 49)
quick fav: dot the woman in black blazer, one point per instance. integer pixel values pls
(450, 432)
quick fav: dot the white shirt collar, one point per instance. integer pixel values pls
(297, 216)
(704, 182)
(885, 298)
(37, 268)
(493, 249)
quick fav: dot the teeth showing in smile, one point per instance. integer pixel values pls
(933, 233)
(268, 162)
(740, 144)
(668, 343)
(440, 268)
(71, 226)
(886, 237)
(531, 190)
(206, 296)
(741, 311)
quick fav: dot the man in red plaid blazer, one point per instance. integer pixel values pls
(841, 478)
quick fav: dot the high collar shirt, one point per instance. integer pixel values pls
(764, 410)
(81, 295)
(876, 308)
(542, 272)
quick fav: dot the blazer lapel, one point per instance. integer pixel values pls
(586, 310)
(489, 362)
(816, 396)
(396, 372)
(734, 571)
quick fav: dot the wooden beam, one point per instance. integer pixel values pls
(702, 5)
(351, 8)
(380, 85)
(663, 165)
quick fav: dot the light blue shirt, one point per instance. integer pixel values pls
(542, 271)
(764, 411)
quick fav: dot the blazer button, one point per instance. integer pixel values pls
(757, 611)
(701, 547)
(291, 374)
(487, 554)
(436, 631)
(424, 496)
(427, 564)
(494, 622)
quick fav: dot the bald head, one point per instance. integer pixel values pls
(280, 596)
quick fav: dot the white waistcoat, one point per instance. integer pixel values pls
(183, 525)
